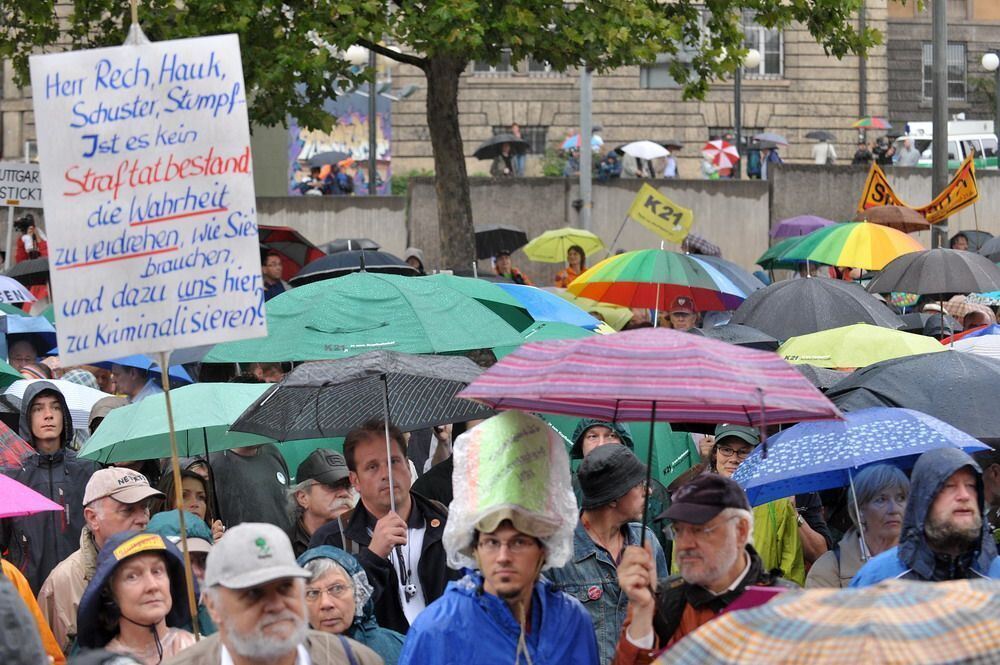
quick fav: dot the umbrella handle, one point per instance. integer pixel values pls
(649, 477)
(388, 444)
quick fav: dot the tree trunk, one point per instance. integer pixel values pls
(451, 181)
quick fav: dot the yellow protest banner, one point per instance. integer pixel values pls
(661, 215)
(960, 193)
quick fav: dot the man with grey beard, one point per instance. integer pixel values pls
(256, 596)
(711, 525)
(944, 536)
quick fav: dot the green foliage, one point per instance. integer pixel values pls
(400, 182)
(553, 163)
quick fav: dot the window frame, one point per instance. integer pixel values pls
(926, 72)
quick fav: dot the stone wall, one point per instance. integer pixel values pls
(325, 218)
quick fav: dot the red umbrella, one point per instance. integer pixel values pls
(13, 449)
(721, 153)
(293, 248)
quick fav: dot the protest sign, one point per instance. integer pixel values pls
(960, 193)
(661, 215)
(20, 186)
(149, 201)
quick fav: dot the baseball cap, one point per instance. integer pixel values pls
(682, 304)
(744, 433)
(119, 483)
(324, 466)
(703, 498)
(251, 554)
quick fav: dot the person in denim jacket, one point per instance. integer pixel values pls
(612, 480)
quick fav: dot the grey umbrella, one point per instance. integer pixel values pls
(990, 249)
(821, 377)
(958, 388)
(802, 306)
(976, 238)
(742, 336)
(821, 135)
(771, 137)
(924, 322)
(938, 272)
(324, 158)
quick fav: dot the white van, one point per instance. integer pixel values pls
(964, 137)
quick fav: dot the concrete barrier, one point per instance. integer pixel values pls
(324, 218)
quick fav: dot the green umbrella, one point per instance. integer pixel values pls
(509, 308)
(364, 312)
(49, 313)
(15, 311)
(8, 375)
(771, 259)
(543, 330)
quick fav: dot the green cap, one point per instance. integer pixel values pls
(749, 435)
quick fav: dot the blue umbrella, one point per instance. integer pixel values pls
(148, 364)
(741, 278)
(548, 307)
(825, 454)
(39, 326)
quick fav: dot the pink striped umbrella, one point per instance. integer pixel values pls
(17, 500)
(652, 374)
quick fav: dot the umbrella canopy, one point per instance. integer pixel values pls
(975, 237)
(292, 247)
(821, 377)
(802, 306)
(773, 258)
(139, 361)
(799, 225)
(203, 413)
(857, 345)
(80, 399)
(364, 311)
(615, 316)
(491, 240)
(721, 153)
(985, 345)
(652, 278)
(672, 144)
(651, 374)
(821, 135)
(871, 122)
(491, 147)
(732, 333)
(854, 245)
(946, 623)
(8, 375)
(327, 158)
(551, 246)
(12, 290)
(504, 304)
(330, 398)
(745, 282)
(771, 137)
(938, 271)
(548, 307)
(645, 150)
(13, 449)
(917, 321)
(349, 244)
(815, 456)
(38, 327)
(900, 218)
(17, 500)
(958, 388)
(696, 244)
(31, 272)
(543, 331)
(336, 265)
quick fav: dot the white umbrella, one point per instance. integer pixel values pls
(984, 345)
(79, 399)
(645, 150)
(12, 290)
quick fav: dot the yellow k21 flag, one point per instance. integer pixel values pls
(661, 215)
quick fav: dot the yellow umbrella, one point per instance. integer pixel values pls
(858, 345)
(551, 246)
(854, 245)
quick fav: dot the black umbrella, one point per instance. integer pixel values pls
(349, 244)
(31, 272)
(958, 388)
(821, 135)
(490, 240)
(918, 322)
(938, 272)
(343, 263)
(821, 377)
(742, 336)
(991, 249)
(490, 148)
(324, 158)
(802, 306)
(672, 144)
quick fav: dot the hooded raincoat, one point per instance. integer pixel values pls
(36, 543)
(913, 558)
(386, 643)
(467, 625)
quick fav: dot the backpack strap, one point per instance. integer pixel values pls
(351, 660)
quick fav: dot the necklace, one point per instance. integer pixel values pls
(606, 546)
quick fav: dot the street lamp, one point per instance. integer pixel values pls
(750, 61)
(991, 63)
(357, 55)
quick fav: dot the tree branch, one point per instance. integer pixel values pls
(405, 58)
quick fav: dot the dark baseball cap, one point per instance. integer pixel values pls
(705, 497)
(750, 435)
(324, 466)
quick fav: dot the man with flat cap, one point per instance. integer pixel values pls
(711, 523)
(321, 494)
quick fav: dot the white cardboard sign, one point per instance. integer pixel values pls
(20, 186)
(149, 200)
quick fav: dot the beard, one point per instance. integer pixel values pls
(943, 535)
(719, 563)
(258, 646)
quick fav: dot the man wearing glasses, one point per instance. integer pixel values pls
(711, 525)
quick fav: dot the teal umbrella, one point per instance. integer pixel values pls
(364, 312)
(541, 331)
(509, 308)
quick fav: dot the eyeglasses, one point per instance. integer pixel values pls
(515, 545)
(335, 591)
(742, 453)
(675, 531)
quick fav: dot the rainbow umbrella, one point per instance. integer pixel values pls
(652, 278)
(871, 122)
(774, 257)
(854, 245)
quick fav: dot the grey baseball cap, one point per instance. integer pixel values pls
(251, 554)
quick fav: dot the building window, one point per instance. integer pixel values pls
(746, 133)
(502, 67)
(956, 72)
(769, 43)
(535, 135)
